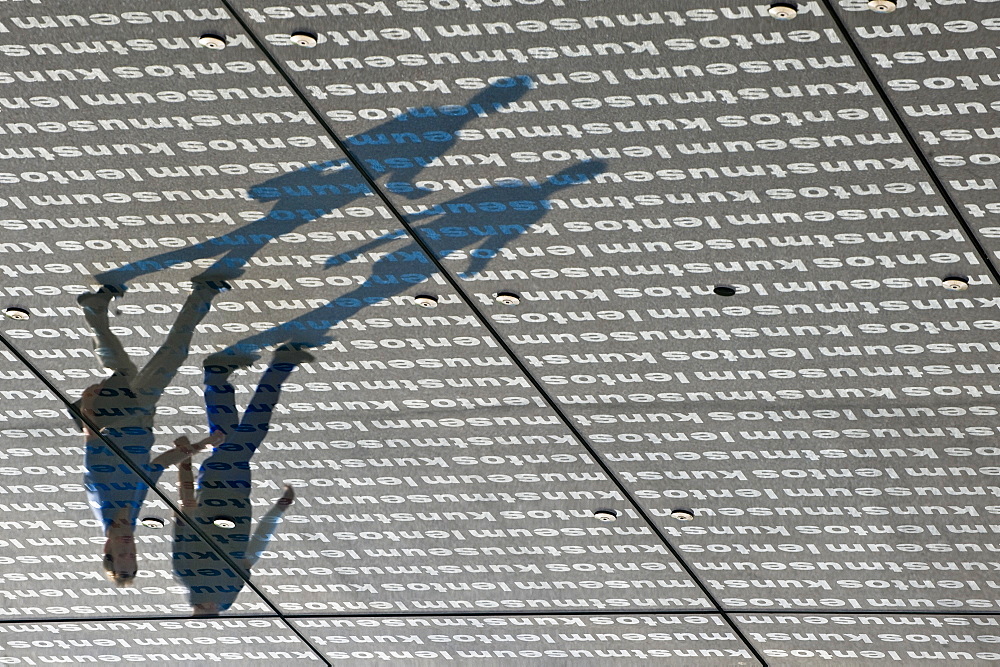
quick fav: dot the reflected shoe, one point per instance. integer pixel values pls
(217, 285)
(231, 360)
(287, 498)
(217, 276)
(100, 299)
(292, 355)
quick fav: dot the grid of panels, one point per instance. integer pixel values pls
(499, 464)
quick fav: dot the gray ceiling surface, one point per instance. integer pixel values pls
(429, 332)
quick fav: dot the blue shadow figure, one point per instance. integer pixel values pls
(219, 503)
(461, 221)
(401, 148)
(307, 194)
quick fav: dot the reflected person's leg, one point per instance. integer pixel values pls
(109, 349)
(228, 466)
(266, 526)
(161, 369)
(224, 478)
(305, 331)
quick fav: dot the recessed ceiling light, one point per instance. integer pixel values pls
(304, 39)
(682, 514)
(606, 515)
(882, 6)
(955, 283)
(212, 41)
(783, 11)
(425, 301)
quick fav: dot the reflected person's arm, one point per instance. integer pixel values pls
(185, 485)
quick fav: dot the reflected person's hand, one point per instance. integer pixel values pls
(184, 449)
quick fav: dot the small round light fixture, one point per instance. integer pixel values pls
(425, 301)
(224, 522)
(507, 298)
(682, 514)
(606, 515)
(783, 11)
(16, 313)
(955, 283)
(212, 41)
(882, 6)
(152, 522)
(304, 39)
(725, 290)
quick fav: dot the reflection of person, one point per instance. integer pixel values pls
(312, 328)
(121, 409)
(307, 194)
(222, 492)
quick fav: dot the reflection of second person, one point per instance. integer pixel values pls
(223, 489)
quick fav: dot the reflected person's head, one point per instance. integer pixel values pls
(120, 561)
(120, 573)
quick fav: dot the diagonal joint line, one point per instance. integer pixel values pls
(914, 145)
(140, 473)
(453, 282)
